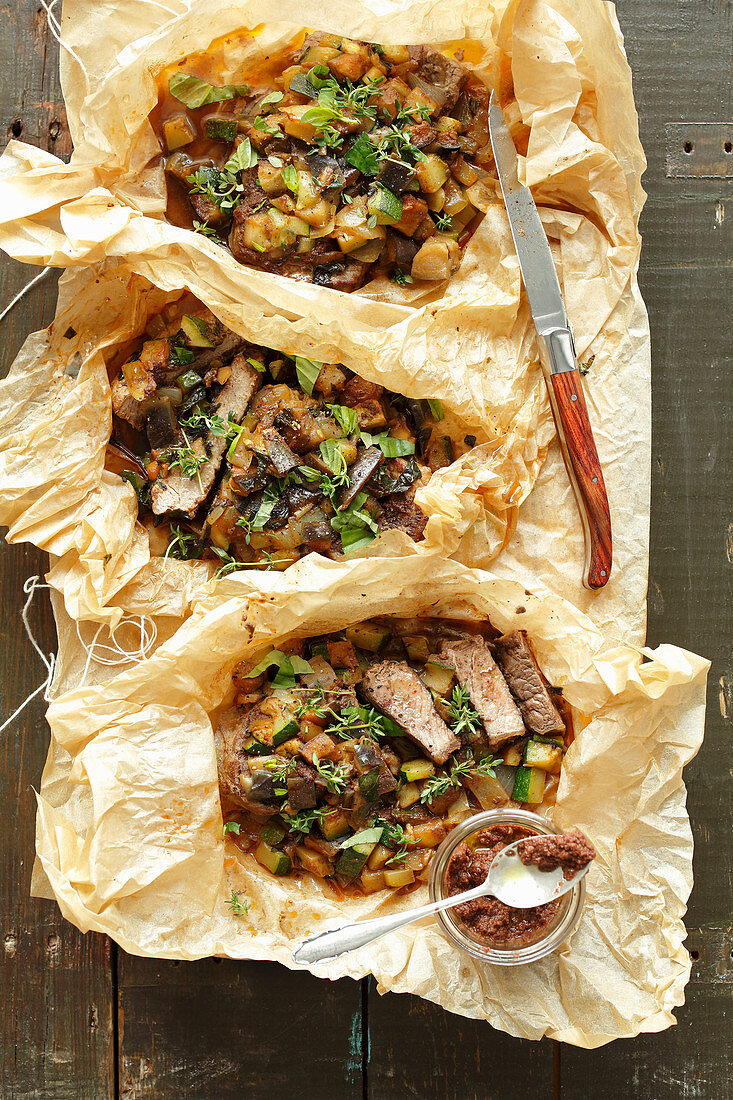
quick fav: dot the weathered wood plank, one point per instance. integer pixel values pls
(56, 989)
(220, 1029)
(57, 1005)
(418, 1050)
(681, 56)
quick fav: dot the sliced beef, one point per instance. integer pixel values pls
(401, 514)
(478, 673)
(396, 690)
(445, 74)
(527, 684)
(181, 494)
(241, 785)
(224, 349)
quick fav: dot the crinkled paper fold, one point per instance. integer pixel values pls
(565, 84)
(130, 827)
(55, 422)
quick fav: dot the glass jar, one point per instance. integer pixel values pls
(566, 919)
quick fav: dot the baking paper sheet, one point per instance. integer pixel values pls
(55, 422)
(130, 828)
(562, 75)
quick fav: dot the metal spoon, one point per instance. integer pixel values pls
(511, 881)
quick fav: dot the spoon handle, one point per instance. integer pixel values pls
(349, 937)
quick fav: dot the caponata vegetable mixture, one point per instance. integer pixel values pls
(252, 457)
(339, 161)
(352, 755)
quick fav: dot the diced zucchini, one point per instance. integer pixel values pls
(351, 862)
(196, 332)
(315, 862)
(408, 795)
(349, 676)
(282, 728)
(177, 132)
(334, 825)
(414, 770)
(438, 678)
(368, 636)
(276, 862)
(277, 367)
(416, 647)
(371, 881)
(256, 748)
(399, 876)
(272, 833)
(543, 754)
(221, 129)
(385, 206)
(529, 785)
(188, 381)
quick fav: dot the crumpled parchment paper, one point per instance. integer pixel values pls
(129, 836)
(562, 75)
(55, 422)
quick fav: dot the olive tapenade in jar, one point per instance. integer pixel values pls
(486, 928)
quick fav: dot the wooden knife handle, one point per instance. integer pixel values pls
(586, 476)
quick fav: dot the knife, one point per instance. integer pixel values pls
(557, 354)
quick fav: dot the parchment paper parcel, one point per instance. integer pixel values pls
(563, 77)
(130, 828)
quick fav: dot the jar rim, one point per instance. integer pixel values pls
(557, 934)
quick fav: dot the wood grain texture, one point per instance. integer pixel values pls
(56, 988)
(584, 469)
(218, 1029)
(416, 1051)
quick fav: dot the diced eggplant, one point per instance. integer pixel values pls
(369, 460)
(301, 794)
(263, 789)
(161, 425)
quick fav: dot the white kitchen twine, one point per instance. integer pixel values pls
(22, 293)
(30, 587)
(101, 653)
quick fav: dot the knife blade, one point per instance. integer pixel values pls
(556, 347)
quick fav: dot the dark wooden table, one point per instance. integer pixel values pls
(81, 1019)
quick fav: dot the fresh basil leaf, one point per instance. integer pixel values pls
(319, 117)
(184, 356)
(353, 538)
(363, 155)
(346, 418)
(290, 178)
(396, 448)
(232, 827)
(259, 367)
(364, 836)
(194, 92)
(271, 97)
(242, 158)
(436, 408)
(301, 84)
(307, 371)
